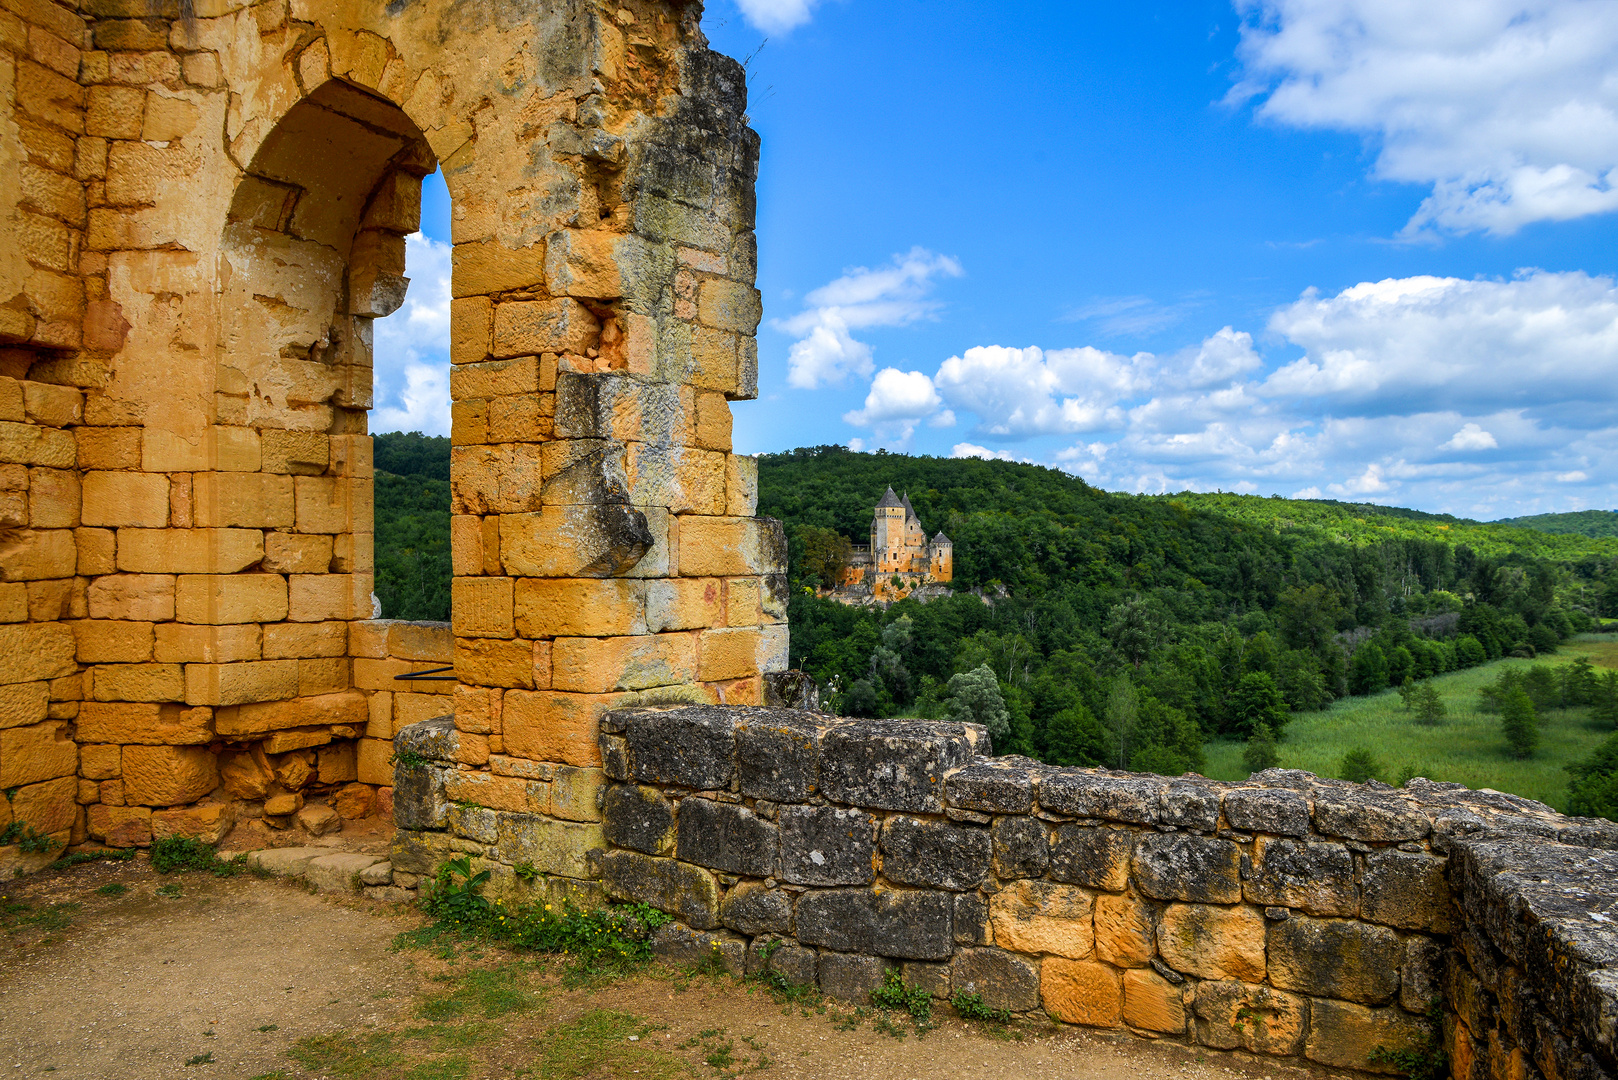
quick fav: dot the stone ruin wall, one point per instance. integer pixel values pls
(203, 206)
(1286, 915)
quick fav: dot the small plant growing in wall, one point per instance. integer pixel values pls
(455, 896)
(970, 1006)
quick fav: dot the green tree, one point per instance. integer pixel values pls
(1123, 710)
(860, 699)
(1260, 752)
(1578, 682)
(1429, 704)
(1134, 629)
(1256, 700)
(1604, 698)
(1075, 737)
(826, 554)
(1518, 723)
(1593, 789)
(1368, 671)
(1360, 765)
(974, 698)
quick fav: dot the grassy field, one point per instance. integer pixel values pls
(1465, 747)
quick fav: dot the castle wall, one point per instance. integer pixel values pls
(1286, 915)
(202, 208)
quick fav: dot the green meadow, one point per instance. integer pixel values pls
(1466, 747)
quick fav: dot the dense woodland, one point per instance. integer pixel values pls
(1088, 627)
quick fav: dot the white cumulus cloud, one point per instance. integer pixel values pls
(897, 402)
(1508, 109)
(411, 348)
(973, 450)
(896, 294)
(776, 16)
(1017, 392)
(1471, 437)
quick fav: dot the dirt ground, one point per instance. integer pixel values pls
(244, 978)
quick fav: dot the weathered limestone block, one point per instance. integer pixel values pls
(418, 796)
(1041, 917)
(1175, 866)
(100, 762)
(692, 746)
(938, 854)
(1407, 890)
(1313, 877)
(798, 965)
(751, 908)
(891, 764)
(1359, 814)
(910, 923)
(1152, 1003)
(640, 818)
(474, 823)
(688, 892)
(46, 807)
(139, 682)
(850, 977)
(1236, 1015)
(33, 651)
(676, 944)
(1421, 978)
(599, 666)
(119, 826)
(39, 752)
(972, 920)
(149, 723)
(1343, 1035)
(827, 845)
(1021, 847)
(1081, 992)
(576, 793)
(550, 846)
(416, 852)
(1339, 958)
(1124, 931)
(778, 755)
(435, 740)
(1085, 794)
(189, 551)
(1004, 981)
(727, 836)
(168, 775)
(131, 597)
(339, 872)
(208, 822)
(1213, 942)
(22, 704)
(41, 554)
(348, 708)
(991, 788)
(497, 792)
(1097, 858)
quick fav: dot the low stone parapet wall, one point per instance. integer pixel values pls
(1285, 915)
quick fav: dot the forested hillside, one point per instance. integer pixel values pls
(412, 525)
(1601, 523)
(1134, 627)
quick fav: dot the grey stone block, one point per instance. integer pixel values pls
(915, 924)
(826, 845)
(1096, 857)
(1421, 978)
(1407, 890)
(971, 919)
(991, 788)
(673, 943)
(795, 963)
(1268, 810)
(1187, 804)
(934, 853)
(1313, 877)
(436, 740)
(1338, 958)
(474, 823)
(750, 908)
(693, 746)
(1021, 847)
(891, 764)
(926, 975)
(548, 845)
(1005, 981)
(1198, 869)
(778, 754)
(415, 852)
(689, 892)
(850, 978)
(786, 689)
(1360, 814)
(1076, 793)
(638, 817)
(727, 836)
(418, 796)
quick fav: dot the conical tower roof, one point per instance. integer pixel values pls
(942, 539)
(888, 500)
(910, 511)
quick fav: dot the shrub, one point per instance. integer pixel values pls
(1260, 753)
(1360, 765)
(1593, 789)
(1518, 723)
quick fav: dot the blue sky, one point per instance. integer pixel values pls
(1354, 249)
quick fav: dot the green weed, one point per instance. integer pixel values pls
(171, 891)
(112, 889)
(175, 854)
(490, 992)
(78, 858)
(347, 1055)
(201, 1059)
(895, 993)
(597, 1044)
(971, 1007)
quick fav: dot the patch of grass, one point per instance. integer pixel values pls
(78, 858)
(16, 917)
(279, 1074)
(268, 1027)
(490, 992)
(1466, 747)
(201, 1059)
(175, 854)
(171, 891)
(343, 1054)
(448, 1068)
(112, 889)
(597, 1044)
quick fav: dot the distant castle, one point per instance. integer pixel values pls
(899, 548)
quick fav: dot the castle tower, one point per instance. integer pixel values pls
(941, 557)
(888, 535)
